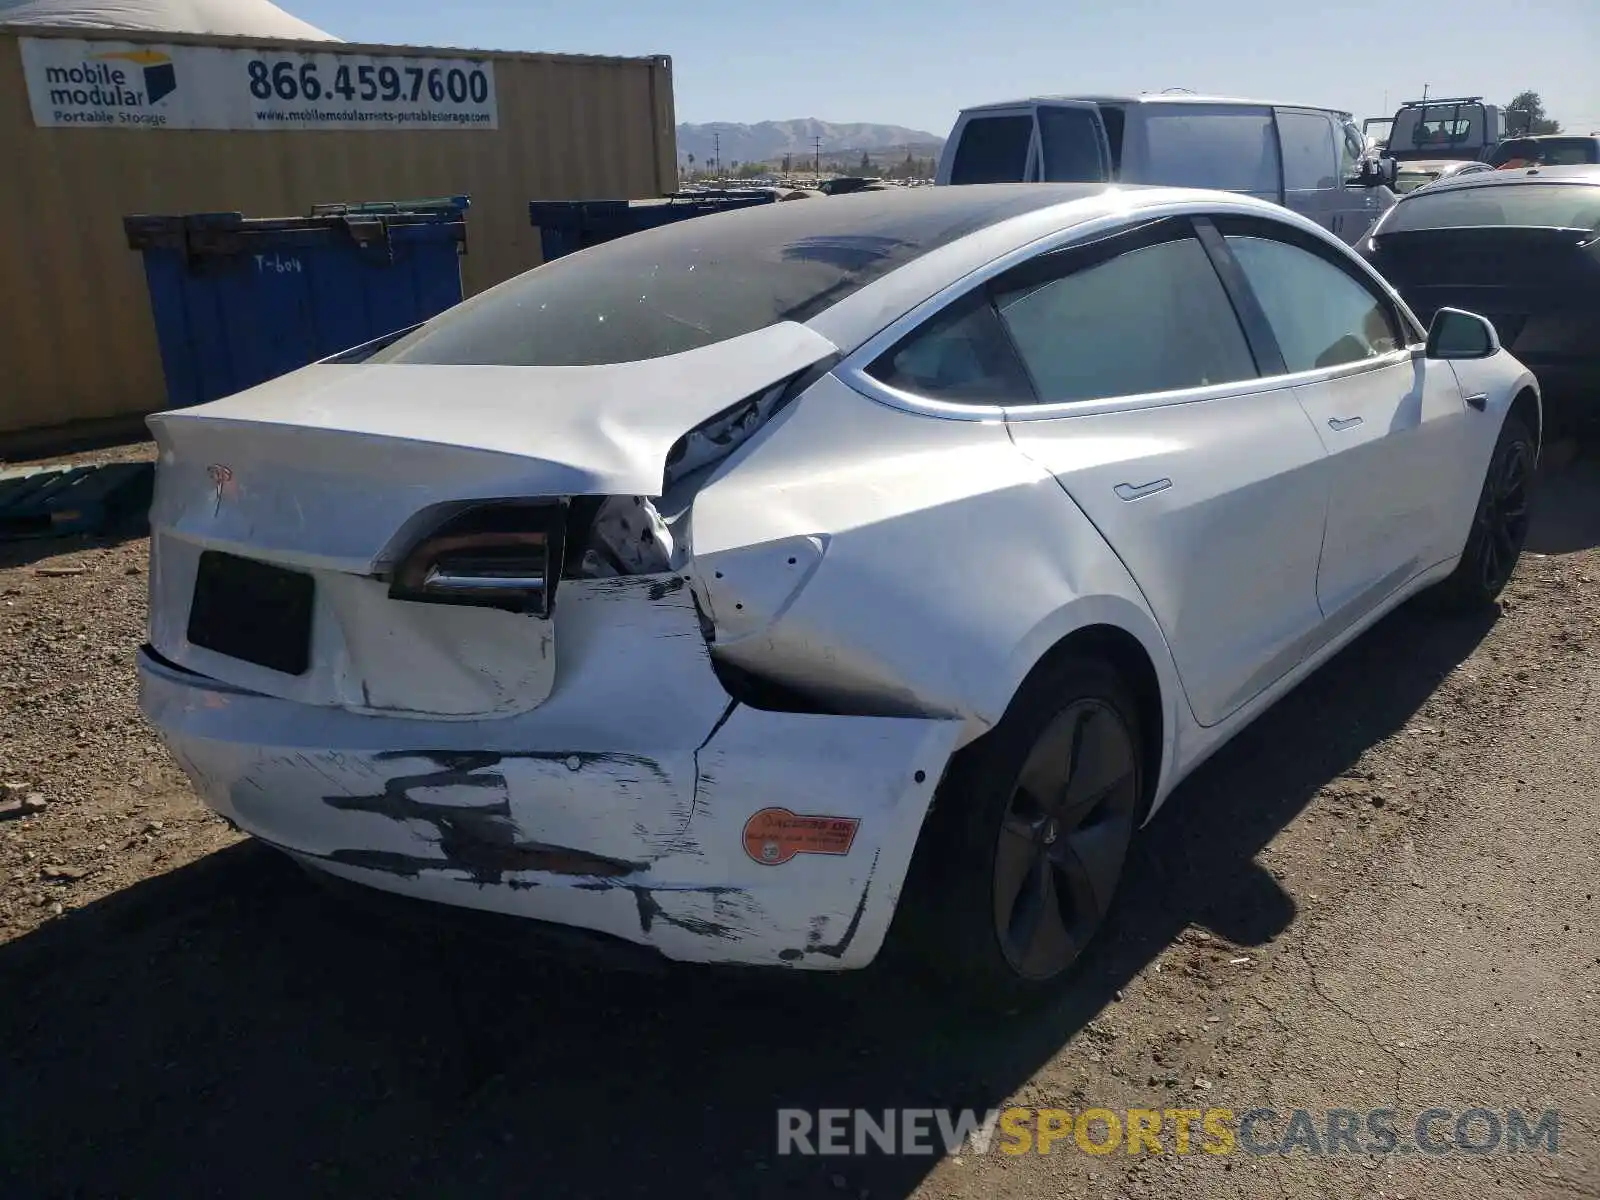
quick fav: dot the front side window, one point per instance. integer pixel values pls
(1309, 157)
(1233, 148)
(1153, 319)
(993, 150)
(1320, 315)
(1352, 149)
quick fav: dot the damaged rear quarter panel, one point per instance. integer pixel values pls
(952, 563)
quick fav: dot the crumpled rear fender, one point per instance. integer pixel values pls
(898, 563)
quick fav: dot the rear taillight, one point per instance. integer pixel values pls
(505, 556)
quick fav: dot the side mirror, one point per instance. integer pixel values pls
(1457, 334)
(1376, 172)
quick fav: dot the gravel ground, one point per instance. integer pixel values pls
(72, 612)
(1382, 895)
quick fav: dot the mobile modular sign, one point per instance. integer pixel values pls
(126, 85)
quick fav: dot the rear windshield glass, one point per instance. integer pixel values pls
(1438, 127)
(1533, 205)
(702, 280)
(993, 150)
(1550, 152)
(1410, 181)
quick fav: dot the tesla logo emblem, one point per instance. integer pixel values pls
(221, 481)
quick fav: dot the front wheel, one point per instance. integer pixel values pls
(1025, 845)
(1499, 526)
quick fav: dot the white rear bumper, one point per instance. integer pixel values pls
(635, 829)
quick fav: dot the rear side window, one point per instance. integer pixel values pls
(1531, 205)
(993, 150)
(1310, 159)
(1071, 140)
(961, 356)
(1320, 315)
(1229, 147)
(1080, 326)
(1153, 319)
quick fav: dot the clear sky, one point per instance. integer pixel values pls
(917, 62)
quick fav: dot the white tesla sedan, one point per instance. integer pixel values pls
(733, 587)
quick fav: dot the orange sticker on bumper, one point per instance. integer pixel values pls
(775, 835)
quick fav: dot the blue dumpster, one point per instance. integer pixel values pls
(568, 225)
(238, 300)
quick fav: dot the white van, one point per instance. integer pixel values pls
(1313, 160)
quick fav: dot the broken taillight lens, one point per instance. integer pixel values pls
(505, 556)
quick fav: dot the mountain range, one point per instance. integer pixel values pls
(769, 141)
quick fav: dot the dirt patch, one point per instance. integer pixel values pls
(115, 808)
(1381, 895)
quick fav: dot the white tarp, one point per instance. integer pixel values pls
(241, 18)
(125, 85)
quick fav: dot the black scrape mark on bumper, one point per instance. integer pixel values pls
(478, 839)
(663, 588)
(650, 911)
(655, 589)
(838, 949)
(584, 758)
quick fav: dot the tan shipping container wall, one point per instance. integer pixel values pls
(77, 341)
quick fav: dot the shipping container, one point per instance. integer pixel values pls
(77, 337)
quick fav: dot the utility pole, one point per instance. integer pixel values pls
(1424, 93)
(716, 152)
(816, 154)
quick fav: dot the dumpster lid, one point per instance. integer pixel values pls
(223, 233)
(437, 206)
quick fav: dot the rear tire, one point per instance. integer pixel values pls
(1021, 854)
(1499, 525)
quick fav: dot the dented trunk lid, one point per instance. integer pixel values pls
(327, 472)
(322, 467)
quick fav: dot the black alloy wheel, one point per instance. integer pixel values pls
(1063, 839)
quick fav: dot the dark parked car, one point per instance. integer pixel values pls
(1521, 247)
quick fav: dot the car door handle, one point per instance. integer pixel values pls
(1340, 424)
(1131, 491)
(1478, 400)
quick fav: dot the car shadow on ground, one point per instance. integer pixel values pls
(26, 551)
(1567, 498)
(229, 1029)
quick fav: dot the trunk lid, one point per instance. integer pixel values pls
(1508, 274)
(328, 472)
(1488, 271)
(324, 466)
